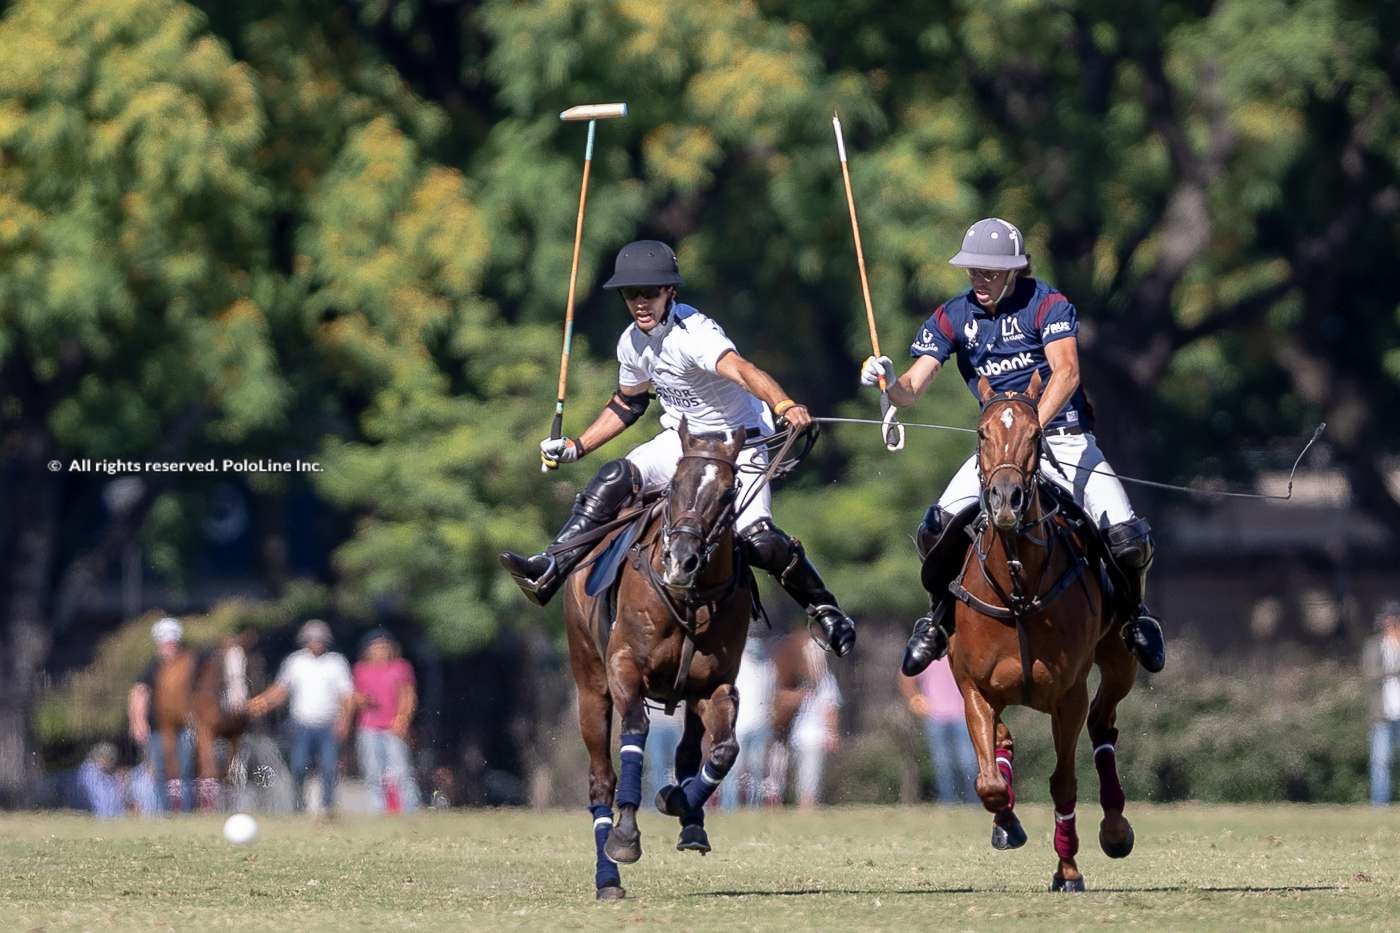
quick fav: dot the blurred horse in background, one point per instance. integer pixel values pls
(206, 691)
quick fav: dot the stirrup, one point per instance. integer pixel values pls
(1143, 635)
(540, 589)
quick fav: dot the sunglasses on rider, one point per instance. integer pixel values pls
(984, 275)
(633, 292)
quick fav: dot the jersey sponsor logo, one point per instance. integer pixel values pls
(925, 341)
(1059, 327)
(1010, 364)
(680, 398)
(1011, 329)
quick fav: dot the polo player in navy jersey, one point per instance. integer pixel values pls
(1007, 326)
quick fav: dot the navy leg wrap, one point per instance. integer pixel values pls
(692, 817)
(606, 875)
(698, 789)
(629, 785)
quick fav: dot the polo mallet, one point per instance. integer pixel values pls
(592, 113)
(893, 431)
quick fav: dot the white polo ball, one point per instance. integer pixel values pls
(240, 828)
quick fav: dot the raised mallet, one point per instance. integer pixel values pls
(592, 113)
(893, 430)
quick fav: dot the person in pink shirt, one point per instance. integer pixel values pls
(385, 698)
(934, 697)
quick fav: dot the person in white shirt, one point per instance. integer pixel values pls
(696, 372)
(317, 681)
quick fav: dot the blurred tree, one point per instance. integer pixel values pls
(131, 230)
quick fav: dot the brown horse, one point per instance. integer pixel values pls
(684, 602)
(1031, 622)
(206, 691)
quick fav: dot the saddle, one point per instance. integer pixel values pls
(605, 574)
(943, 565)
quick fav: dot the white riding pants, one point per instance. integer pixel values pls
(1089, 478)
(656, 460)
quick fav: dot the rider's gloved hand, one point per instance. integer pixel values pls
(557, 450)
(876, 368)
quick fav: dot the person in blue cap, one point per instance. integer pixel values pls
(1005, 327)
(689, 362)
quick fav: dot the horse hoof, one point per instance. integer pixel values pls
(693, 839)
(1007, 833)
(622, 850)
(1120, 849)
(1073, 886)
(612, 892)
(671, 801)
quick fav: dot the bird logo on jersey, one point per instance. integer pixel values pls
(970, 333)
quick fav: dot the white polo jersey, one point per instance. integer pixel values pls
(678, 358)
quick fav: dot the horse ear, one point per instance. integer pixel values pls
(984, 389)
(736, 444)
(1033, 390)
(683, 429)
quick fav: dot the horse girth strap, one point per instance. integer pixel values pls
(1024, 608)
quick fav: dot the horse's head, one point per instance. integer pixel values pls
(1008, 451)
(700, 505)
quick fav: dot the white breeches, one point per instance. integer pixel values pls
(656, 460)
(1094, 485)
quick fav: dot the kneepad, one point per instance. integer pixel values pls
(1131, 544)
(611, 487)
(930, 529)
(769, 548)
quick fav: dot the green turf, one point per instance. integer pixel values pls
(839, 869)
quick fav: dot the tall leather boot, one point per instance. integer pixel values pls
(1133, 549)
(539, 576)
(769, 548)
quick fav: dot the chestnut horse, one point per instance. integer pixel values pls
(1031, 621)
(206, 691)
(684, 602)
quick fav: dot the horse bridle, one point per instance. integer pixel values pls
(1027, 475)
(691, 522)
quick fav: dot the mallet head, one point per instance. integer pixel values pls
(594, 112)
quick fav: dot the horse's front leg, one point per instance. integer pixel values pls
(595, 713)
(625, 685)
(993, 744)
(204, 747)
(174, 774)
(1066, 722)
(693, 837)
(719, 713)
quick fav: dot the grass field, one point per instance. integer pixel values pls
(839, 869)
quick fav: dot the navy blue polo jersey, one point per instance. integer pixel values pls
(1009, 347)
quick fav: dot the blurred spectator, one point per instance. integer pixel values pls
(1380, 661)
(663, 735)
(444, 788)
(317, 681)
(934, 697)
(169, 636)
(815, 731)
(386, 696)
(754, 728)
(100, 785)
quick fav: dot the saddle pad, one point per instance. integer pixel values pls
(605, 569)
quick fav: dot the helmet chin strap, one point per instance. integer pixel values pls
(1010, 281)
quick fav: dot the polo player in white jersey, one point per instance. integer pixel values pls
(696, 372)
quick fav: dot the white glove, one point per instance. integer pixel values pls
(876, 368)
(557, 450)
(889, 424)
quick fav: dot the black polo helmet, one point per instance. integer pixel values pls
(645, 262)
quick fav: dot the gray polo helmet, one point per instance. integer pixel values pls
(645, 262)
(992, 244)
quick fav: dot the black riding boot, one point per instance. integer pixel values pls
(770, 549)
(942, 553)
(539, 576)
(1132, 547)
